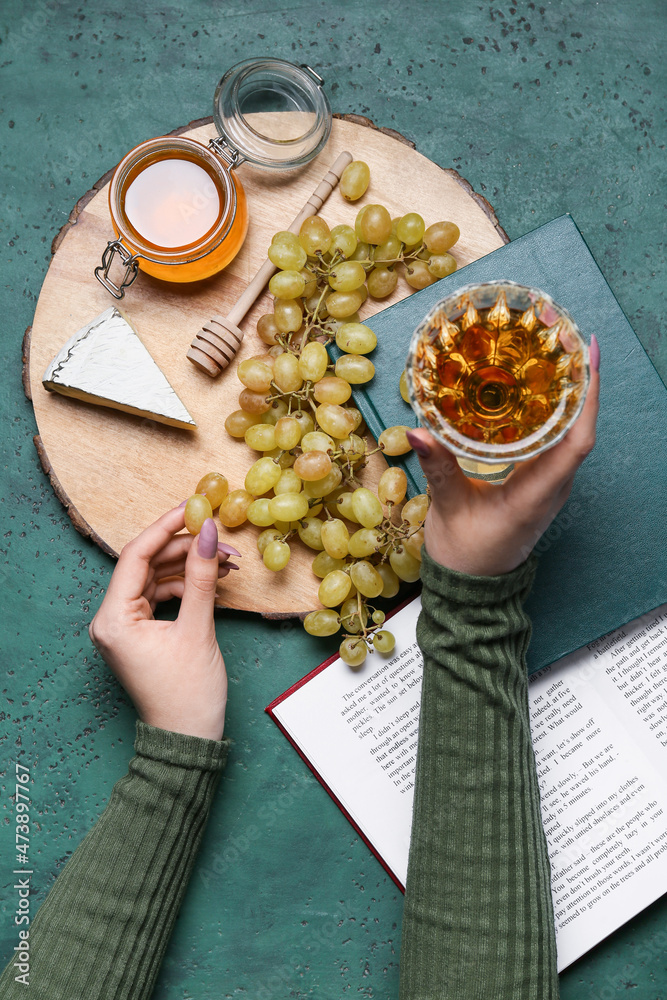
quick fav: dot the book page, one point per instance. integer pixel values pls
(599, 725)
(358, 727)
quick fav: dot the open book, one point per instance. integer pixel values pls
(599, 725)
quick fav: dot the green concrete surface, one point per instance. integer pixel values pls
(545, 108)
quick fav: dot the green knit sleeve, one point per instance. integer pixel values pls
(102, 931)
(478, 918)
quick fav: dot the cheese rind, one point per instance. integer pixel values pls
(106, 363)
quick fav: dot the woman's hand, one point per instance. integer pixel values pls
(173, 671)
(485, 530)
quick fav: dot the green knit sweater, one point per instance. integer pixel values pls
(478, 922)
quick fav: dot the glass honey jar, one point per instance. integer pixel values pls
(178, 207)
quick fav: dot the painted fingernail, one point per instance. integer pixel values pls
(183, 504)
(231, 565)
(207, 546)
(228, 550)
(594, 354)
(419, 446)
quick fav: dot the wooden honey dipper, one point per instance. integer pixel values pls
(218, 341)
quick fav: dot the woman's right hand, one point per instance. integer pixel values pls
(485, 530)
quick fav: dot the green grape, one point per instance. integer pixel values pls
(332, 390)
(283, 459)
(309, 282)
(289, 482)
(344, 507)
(314, 236)
(403, 386)
(284, 527)
(318, 302)
(374, 224)
(334, 588)
(335, 537)
(197, 510)
(384, 641)
(238, 422)
(286, 373)
(410, 229)
(261, 437)
(441, 236)
(284, 236)
(287, 433)
(362, 252)
(262, 476)
(442, 265)
(347, 276)
(259, 513)
(287, 315)
(390, 250)
(334, 420)
(310, 533)
(267, 330)
(394, 440)
(276, 410)
(344, 240)
(366, 578)
(322, 487)
(357, 228)
(343, 305)
(214, 487)
(305, 422)
(353, 651)
(253, 402)
(321, 623)
(416, 509)
(378, 617)
(356, 338)
(287, 284)
(417, 274)
(354, 415)
(353, 447)
(349, 615)
(317, 441)
(390, 580)
(313, 361)
(393, 485)
(289, 256)
(405, 566)
(255, 375)
(288, 506)
(365, 542)
(367, 508)
(323, 564)
(276, 555)
(270, 535)
(234, 508)
(414, 543)
(312, 466)
(382, 281)
(354, 180)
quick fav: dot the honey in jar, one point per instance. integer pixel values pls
(177, 206)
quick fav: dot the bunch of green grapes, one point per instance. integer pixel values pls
(295, 411)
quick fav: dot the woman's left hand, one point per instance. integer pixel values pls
(173, 670)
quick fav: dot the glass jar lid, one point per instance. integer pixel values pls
(274, 113)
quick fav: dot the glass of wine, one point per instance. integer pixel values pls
(498, 372)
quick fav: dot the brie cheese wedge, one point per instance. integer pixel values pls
(106, 363)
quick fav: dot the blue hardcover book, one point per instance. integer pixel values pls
(604, 560)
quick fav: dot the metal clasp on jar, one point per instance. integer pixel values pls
(230, 155)
(129, 260)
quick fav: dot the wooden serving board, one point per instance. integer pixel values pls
(116, 473)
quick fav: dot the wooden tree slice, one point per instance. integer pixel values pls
(115, 473)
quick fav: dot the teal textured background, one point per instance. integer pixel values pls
(544, 109)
